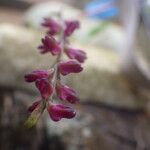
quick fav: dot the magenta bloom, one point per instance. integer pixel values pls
(66, 93)
(33, 106)
(37, 74)
(71, 26)
(49, 44)
(71, 66)
(52, 25)
(59, 111)
(76, 54)
(44, 87)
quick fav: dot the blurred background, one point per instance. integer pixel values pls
(114, 87)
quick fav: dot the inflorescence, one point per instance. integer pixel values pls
(49, 82)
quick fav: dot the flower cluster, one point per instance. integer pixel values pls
(49, 82)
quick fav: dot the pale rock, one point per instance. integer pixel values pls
(100, 82)
(110, 37)
(34, 16)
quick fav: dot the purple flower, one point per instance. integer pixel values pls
(44, 87)
(34, 106)
(66, 93)
(49, 44)
(37, 74)
(59, 111)
(71, 66)
(52, 25)
(71, 26)
(76, 54)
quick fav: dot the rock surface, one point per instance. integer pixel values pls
(100, 82)
(34, 16)
(108, 32)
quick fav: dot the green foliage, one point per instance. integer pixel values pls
(97, 29)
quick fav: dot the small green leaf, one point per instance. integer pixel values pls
(99, 28)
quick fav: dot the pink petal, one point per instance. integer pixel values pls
(76, 54)
(59, 111)
(66, 93)
(52, 25)
(71, 66)
(71, 26)
(44, 87)
(49, 44)
(37, 74)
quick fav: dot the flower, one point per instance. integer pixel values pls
(44, 87)
(66, 93)
(49, 44)
(34, 106)
(71, 26)
(59, 111)
(52, 25)
(76, 54)
(71, 66)
(38, 74)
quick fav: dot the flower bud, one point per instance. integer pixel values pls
(59, 111)
(49, 44)
(76, 54)
(66, 93)
(33, 106)
(44, 87)
(52, 26)
(37, 74)
(71, 26)
(71, 66)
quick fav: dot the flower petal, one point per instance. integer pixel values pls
(66, 93)
(37, 74)
(71, 66)
(52, 25)
(71, 26)
(44, 87)
(49, 44)
(59, 111)
(77, 54)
